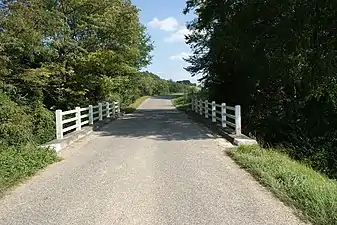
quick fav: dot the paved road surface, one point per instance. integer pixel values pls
(155, 167)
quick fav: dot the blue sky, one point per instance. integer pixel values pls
(166, 25)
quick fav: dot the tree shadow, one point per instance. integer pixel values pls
(168, 124)
(168, 97)
(163, 97)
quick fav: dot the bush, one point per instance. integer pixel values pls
(118, 89)
(44, 123)
(180, 100)
(15, 125)
(20, 125)
(22, 128)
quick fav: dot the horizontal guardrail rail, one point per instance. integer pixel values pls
(74, 120)
(226, 115)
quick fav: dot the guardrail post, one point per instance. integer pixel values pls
(223, 115)
(200, 110)
(238, 119)
(118, 109)
(91, 115)
(213, 112)
(78, 118)
(107, 110)
(59, 132)
(100, 114)
(206, 108)
(113, 108)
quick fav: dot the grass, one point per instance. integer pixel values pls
(296, 184)
(131, 108)
(179, 101)
(19, 163)
(178, 94)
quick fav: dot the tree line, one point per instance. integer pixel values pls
(58, 54)
(277, 59)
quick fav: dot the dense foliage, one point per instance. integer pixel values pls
(22, 128)
(65, 53)
(277, 59)
(58, 54)
(62, 52)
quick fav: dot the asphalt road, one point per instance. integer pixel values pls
(153, 167)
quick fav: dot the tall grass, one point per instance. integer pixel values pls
(299, 185)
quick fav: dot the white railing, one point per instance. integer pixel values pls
(78, 117)
(227, 115)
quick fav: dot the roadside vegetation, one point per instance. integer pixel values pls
(295, 183)
(131, 108)
(182, 101)
(22, 129)
(283, 74)
(20, 162)
(278, 61)
(63, 54)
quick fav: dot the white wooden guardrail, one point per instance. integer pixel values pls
(227, 115)
(78, 117)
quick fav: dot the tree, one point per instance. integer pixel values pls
(279, 58)
(186, 82)
(61, 54)
(62, 49)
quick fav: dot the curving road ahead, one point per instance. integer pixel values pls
(152, 167)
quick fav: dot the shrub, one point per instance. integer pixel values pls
(44, 123)
(15, 124)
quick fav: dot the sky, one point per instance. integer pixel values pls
(166, 24)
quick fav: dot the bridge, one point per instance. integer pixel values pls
(154, 166)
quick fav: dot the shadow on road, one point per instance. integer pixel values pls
(168, 124)
(168, 97)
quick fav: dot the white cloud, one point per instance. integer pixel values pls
(168, 24)
(179, 35)
(181, 56)
(177, 32)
